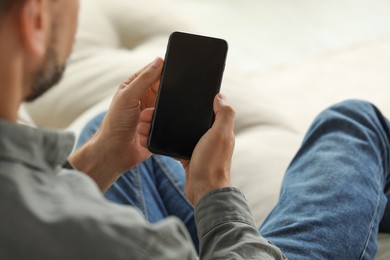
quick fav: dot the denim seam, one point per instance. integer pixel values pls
(385, 164)
(170, 178)
(372, 222)
(141, 193)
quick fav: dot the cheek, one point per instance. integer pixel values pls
(72, 23)
(67, 33)
(74, 18)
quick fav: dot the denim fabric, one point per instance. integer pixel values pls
(155, 187)
(336, 189)
(333, 200)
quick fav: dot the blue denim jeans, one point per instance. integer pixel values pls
(334, 196)
(333, 200)
(155, 187)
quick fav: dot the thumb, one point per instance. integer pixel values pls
(146, 78)
(224, 113)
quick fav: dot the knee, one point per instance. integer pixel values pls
(354, 106)
(356, 117)
(352, 111)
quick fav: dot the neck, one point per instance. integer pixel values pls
(11, 73)
(10, 88)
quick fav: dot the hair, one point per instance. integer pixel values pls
(5, 5)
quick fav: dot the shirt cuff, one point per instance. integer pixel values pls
(68, 165)
(221, 206)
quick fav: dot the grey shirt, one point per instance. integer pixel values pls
(47, 212)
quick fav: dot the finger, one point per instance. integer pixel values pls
(187, 187)
(126, 83)
(183, 162)
(143, 129)
(146, 78)
(154, 88)
(143, 140)
(130, 79)
(135, 75)
(149, 97)
(224, 114)
(147, 115)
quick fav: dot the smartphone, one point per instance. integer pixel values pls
(191, 77)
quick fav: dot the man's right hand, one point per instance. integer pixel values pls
(209, 167)
(116, 147)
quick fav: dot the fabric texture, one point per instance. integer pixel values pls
(53, 213)
(335, 195)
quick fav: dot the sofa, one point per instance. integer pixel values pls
(288, 60)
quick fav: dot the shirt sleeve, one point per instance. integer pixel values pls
(227, 230)
(108, 231)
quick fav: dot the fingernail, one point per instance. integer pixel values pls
(222, 97)
(156, 63)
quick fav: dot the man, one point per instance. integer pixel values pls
(332, 202)
(49, 213)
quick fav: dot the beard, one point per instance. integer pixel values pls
(48, 75)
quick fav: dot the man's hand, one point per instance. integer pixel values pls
(209, 167)
(115, 147)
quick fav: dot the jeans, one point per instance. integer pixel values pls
(155, 187)
(333, 199)
(335, 192)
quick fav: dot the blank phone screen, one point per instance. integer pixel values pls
(191, 78)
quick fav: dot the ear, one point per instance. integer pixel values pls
(33, 23)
